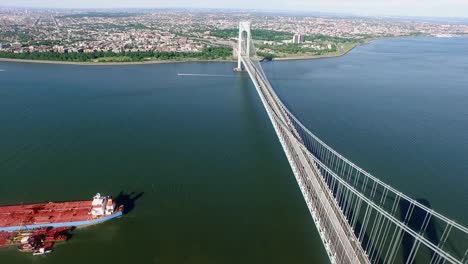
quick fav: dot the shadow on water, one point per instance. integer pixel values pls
(127, 200)
(68, 233)
(416, 222)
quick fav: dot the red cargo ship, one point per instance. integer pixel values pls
(17, 221)
(61, 214)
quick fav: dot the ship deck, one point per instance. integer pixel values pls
(44, 213)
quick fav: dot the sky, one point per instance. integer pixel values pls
(424, 8)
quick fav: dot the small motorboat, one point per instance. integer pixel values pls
(44, 249)
(25, 247)
(41, 251)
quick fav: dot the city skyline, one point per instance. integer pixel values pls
(410, 8)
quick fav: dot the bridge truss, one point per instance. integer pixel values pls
(360, 219)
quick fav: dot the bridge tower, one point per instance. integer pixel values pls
(244, 39)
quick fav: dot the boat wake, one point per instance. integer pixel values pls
(204, 75)
(2, 70)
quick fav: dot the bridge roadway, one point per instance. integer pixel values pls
(336, 233)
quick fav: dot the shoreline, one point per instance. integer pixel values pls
(304, 57)
(326, 56)
(83, 63)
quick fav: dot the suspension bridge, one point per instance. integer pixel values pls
(360, 219)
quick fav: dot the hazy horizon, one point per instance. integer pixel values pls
(398, 8)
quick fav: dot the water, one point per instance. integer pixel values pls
(211, 183)
(216, 187)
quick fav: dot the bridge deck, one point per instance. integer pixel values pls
(336, 233)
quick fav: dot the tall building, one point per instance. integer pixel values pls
(297, 38)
